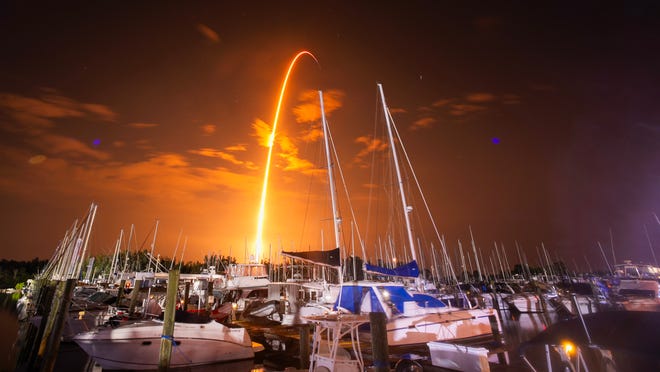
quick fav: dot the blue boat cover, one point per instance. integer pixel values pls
(409, 270)
(353, 298)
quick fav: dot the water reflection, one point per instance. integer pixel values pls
(9, 327)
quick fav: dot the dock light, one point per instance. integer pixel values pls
(568, 347)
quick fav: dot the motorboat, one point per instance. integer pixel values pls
(136, 345)
(535, 298)
(417, 318)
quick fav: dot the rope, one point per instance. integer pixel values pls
(174, 344)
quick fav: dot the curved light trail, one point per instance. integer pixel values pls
(271, 141)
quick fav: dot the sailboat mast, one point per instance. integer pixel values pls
(612, 246)
(153, 245)
(331, 181)
(335, 214)
(648, 238)
(406, 208)
(476, 258)
(605, 258)
(460, 248)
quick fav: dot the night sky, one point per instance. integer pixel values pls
(527, 125)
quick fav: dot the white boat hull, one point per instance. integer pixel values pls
(527, 303)
(137, 346)
(454, 324)
(458, 357)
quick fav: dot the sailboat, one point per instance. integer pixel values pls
(413, 318)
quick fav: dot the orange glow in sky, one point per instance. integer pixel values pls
(264, 190)
(165, 119)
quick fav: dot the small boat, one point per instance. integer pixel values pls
(633, 279)
(459, 357)
(137, 345)
(414, 318)
(587, 295)
(535, 298)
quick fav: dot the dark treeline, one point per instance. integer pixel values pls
(139, 261)
(13, 272)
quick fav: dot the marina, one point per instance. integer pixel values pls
(338, 341)
(343, 187)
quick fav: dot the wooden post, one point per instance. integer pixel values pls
(50, 344)
(209, 295)
(304, 331)
(186, 297)
(497, 336)
(167, 338)
(120, 292)
(135, 292)
(379, 345)
(44, 292)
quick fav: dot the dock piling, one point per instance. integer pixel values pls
(167, 338)
(380, 350)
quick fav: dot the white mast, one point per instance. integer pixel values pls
(655, 260)
(153, 245)
(335, 214)
(406, 208)
(476, 258)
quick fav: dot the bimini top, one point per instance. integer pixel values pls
(366, 297)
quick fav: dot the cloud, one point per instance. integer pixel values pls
(441, 102)
(101, 111)
(213, 153)
(422, 123)
(208, 33)
(208, 129)
(480, 97)
(510, 99)
(370, 145)
(62, 146)
(308, 113)
(142, 125)
(395, 111)
(460, 109)
(292, 161)
(309, 109)
(35, 121)
(37, 159)
(235, 148)
(39, 113)
(312, 134)
(144, 144)
(262, 131)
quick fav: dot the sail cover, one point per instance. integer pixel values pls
(324, 258)
(409, 270)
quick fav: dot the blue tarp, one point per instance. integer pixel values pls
(352, 298)
(409, 270)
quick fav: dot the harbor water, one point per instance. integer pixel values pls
(9, 327)
(517, 328)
